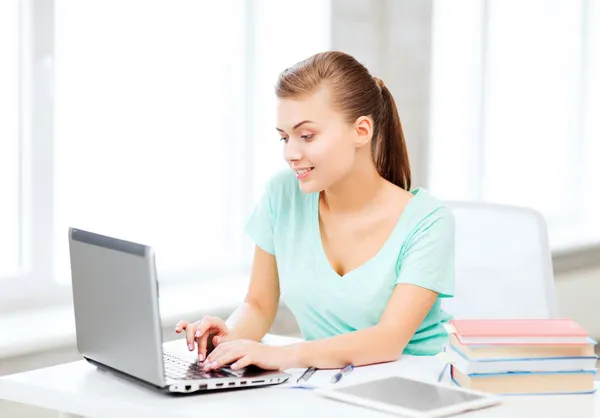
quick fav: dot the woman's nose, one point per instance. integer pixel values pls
(291, 151)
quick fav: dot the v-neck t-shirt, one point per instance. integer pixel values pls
(419, 251)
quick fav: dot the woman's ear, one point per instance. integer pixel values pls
(364, 131)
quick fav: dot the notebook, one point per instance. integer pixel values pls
(519, 331)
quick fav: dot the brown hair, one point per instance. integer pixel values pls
(355, 93)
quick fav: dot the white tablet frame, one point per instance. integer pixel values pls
(487, 400)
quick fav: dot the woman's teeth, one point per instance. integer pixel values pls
(304, 170)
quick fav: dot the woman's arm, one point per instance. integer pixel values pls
(253, 319)
(383, 342)
(406, 310)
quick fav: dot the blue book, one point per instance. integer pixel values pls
(470, 359)
(469, 365)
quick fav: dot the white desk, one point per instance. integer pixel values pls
(80, 389)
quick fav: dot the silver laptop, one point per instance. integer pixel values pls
(115, 294)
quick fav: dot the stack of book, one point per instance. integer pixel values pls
(522, 356)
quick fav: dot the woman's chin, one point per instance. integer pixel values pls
(308, 186)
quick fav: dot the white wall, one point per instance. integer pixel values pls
(393, 40)
(578, 294)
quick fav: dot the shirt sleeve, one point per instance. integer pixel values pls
(427, 259)
(261, 223)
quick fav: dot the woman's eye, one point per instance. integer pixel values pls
(306, 137)
(283, 139)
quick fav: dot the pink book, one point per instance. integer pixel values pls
(519, 331)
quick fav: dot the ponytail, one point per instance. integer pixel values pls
(389, 149)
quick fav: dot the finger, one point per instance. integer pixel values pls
(180, 326)
(241, 363)
(226, 357)
(190, 330)
(204, 326)
(213, 355)
(214, 359)
(220, 339)
(202, 335)
(219, 350)
(202, 342)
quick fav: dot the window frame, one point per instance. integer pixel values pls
(32, 284)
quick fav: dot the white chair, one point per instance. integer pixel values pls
(503, 263)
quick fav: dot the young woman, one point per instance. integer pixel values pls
(359, 259)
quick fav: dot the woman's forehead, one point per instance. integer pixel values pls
(314, 107)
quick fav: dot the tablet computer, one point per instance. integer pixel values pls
(411, 398)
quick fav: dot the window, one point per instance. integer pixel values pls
(10, 240)
(149, 121)
(512, 106)
(144, 134)
(164, 132)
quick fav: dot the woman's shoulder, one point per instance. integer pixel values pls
(429, 203)
(428, 210)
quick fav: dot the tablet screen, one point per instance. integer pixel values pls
(410, 394)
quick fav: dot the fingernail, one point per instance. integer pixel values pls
(200, 357)
(234, 366)
(214, 365)
(197, 334)
(191, 346)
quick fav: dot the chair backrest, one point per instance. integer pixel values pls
(503, 263)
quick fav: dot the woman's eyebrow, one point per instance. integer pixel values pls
(297, 125)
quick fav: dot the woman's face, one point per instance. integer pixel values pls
(318, 142)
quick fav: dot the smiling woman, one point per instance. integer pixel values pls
(360, 259)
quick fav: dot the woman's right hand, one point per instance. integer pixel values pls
(199, 332)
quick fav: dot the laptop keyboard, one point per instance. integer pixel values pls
(178, 368)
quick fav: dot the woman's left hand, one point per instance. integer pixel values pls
(243, 353)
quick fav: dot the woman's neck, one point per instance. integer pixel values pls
(359, 189)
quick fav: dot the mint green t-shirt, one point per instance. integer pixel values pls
(419, 251)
